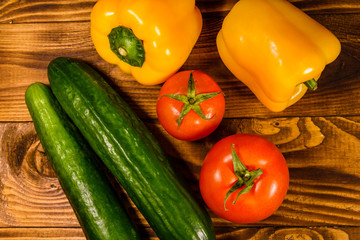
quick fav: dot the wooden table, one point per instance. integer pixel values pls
(319, 136)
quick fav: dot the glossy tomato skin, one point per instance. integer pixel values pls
(217, 176)
(192, 127)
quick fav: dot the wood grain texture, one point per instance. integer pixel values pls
(268, 233)
(319, 136)
(28, 11)
(43, 233)
(324, 186)
(27, 48)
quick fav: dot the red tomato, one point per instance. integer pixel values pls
(195, 99)
(217, 177)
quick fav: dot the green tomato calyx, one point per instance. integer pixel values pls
(245, 177)
(192, 100)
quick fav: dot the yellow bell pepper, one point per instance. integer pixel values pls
(151, 39)
(275, 49)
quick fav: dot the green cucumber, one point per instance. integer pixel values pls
(129, 151)
(90, 193)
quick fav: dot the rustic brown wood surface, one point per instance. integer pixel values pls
(319, 136)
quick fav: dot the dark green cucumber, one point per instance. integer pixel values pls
(129, 150)
(87, 188)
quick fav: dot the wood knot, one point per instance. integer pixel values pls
(25, 154)
(296, 234)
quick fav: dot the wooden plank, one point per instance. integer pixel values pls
(318, 233)
(42, 233)
(270, 233)
(319, 136)
(322, 155)
(25, 54)
(26, 61)
(28, 11)
(26, 49)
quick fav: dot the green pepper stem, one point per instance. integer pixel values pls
(127, 46)
(311, 84)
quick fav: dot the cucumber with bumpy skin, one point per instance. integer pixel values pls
(95, 202)
(129, 150)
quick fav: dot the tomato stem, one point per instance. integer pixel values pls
(245, 177)
(192, 100)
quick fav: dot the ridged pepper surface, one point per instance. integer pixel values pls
(149, 39)
(275, 49)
